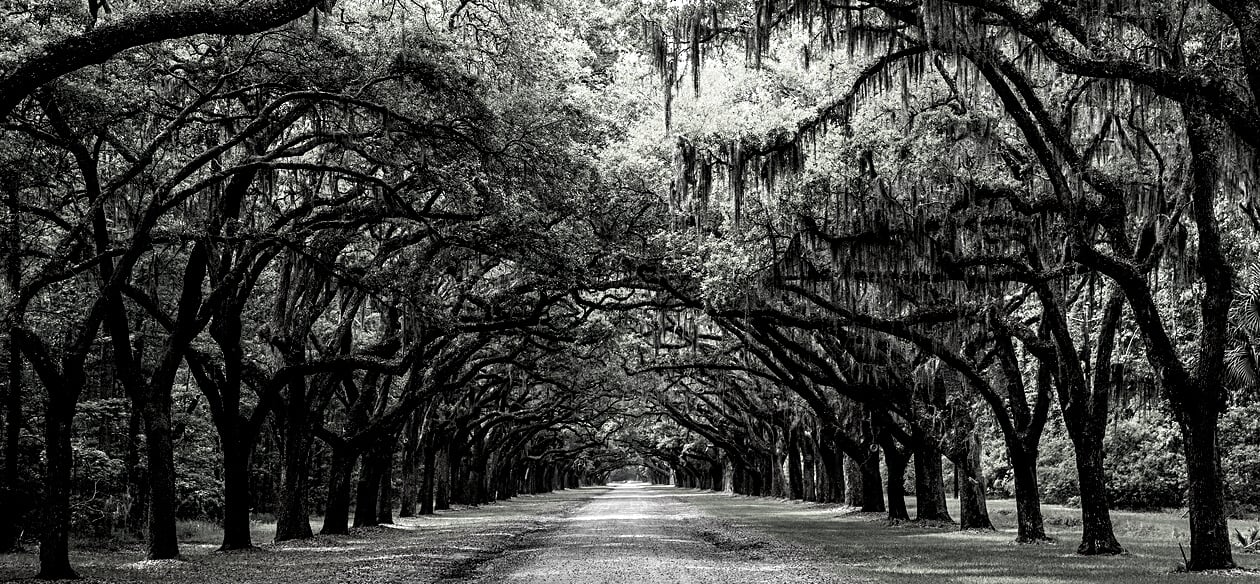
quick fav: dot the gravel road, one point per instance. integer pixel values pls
(642, 533)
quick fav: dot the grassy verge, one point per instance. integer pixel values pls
(414, 550)
(863, 547)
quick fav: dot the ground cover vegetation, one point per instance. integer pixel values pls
(369, 259)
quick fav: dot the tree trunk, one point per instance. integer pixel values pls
(54, 543)
(385, 502)
(896, 461)
(1209, 533)
(236, 494)
(872, 483)
(428, 475)
(728, 478)
(237, 434)
(475, 484)
(15, 507)
(854, 489)
(409, 471)
(973, 512)
(368, 491)
(1031, 528)
(160, 450)
(340, 473)
(457, 491)
(833, 462)
(810, 475)
(1199, 403)
(505, 481)
(929, 484)
(796, 477)
(137, 473)
(292, 514)
(442, 485)
(1097, 535)
(535, 476)
(776, 483)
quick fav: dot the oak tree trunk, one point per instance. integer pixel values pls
(442, 484)
(54, 542)
(427, 480)
(410, 471)
(973, 512)
(929, 484)
(337, 507)
(15, 507)
(1209, 533)
(159, 437)
(1031, 527)
(385, 500)
(1097, 535)
(895, 461)
(236, 494)
(368, 491)
(292, 513)
(796, 478)
(137, 473)
(872, 483)
(854, 489)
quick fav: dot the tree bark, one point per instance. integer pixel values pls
(973, 512)
(160, 450)
(340, 473)
(427, 486)
(1200, 400)
(54, 543)
(236, 494)
(796, 477)
(457, 490)
(385, 500)
(137, 473)
(292, 514)
(64, 56)
(368, 491)
(872, 484)
(410, 470)
(854, 489)
(895, 460)
(1031, 527)
(1097, 535)
(442, 484)
(929, 484)
(15, 508)
(1209, 532)
(833, 463)
(811, 475)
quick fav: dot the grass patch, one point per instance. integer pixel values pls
(198, 531)
(420, 549)
(863, 546)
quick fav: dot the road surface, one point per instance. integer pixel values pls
(642, 533)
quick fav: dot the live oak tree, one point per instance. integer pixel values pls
(466, 249)
(1070, 168)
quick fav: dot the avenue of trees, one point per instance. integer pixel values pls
(365, 259)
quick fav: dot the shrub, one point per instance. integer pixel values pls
(1240, 457)
(1056, 468)
(1145, 465)
(100, 502)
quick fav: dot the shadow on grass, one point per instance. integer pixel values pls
(415, 549)
(865, 546)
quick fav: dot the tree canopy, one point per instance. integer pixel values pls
(368, 257)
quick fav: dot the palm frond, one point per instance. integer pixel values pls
(1242, 371)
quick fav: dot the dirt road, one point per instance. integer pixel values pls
(642, 533)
